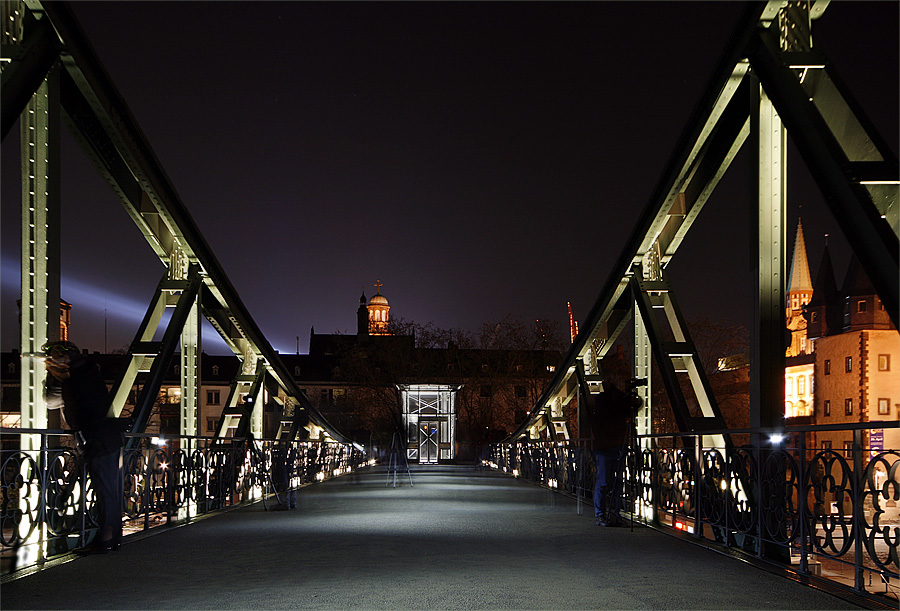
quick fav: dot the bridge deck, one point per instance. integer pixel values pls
(459, 538)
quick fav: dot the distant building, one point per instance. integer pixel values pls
(857, 349)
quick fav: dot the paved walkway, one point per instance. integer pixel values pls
(459, 538)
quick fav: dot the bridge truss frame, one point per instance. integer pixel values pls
(51, 77)
(770, 80)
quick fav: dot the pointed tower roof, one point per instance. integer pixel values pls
(856, 282)
(825, 289)
(800, 277)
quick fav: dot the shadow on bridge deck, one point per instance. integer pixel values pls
(459, 538)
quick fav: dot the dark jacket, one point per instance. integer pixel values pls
(85, 406)
(611, 417)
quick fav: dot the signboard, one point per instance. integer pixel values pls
(876, 441)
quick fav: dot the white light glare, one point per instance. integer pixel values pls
(776, 438)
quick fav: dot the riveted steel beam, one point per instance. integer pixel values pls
(829, 160)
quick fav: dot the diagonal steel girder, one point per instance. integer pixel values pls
(717, 129)
(108, 134)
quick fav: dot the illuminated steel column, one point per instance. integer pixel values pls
(40, 247)
(190, 369)
(643, 359)
(769, 252)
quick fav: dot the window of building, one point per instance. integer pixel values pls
(884, 362)
(803, 344)
(848, 449)
(815, 317)
(862, 305)
(212, 397)
(339, 394)
(848, 364)
(323, 396)
(789, 387)
(884, 407)
(801, 386)
(211, 425)
(826, 445)
(551, 368)
(827, 407)
(848, 407)
(827, 367)
(297, 371)
(215, 370)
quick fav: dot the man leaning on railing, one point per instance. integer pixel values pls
(85, 403)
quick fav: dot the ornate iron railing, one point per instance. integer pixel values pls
(826, 513)
(47, 503)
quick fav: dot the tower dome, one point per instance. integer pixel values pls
(379, 312)
(380, 300)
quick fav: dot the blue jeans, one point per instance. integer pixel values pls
(607, 462)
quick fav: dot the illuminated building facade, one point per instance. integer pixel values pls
(857, 350)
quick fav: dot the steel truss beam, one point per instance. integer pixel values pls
(769, 72)
(103, 126)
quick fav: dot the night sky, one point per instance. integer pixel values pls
(482, 160)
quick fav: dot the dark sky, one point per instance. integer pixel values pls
(482, 160)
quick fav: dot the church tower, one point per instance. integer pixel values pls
(379, 312)
(362, 316)
(800, 292)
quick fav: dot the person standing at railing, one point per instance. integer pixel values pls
(611, 418)
(85, 405)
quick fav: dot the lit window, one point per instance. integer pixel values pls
(848, 364)
(827, 407)
(861, 305)
(884, 407)
(826, 445)
(848, 449)
(827, 367)
(803, 344)
(789, 387)
(848, 407)
(551, 368)
(801, 386)
(884, 362)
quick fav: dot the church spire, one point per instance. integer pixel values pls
(800, 289)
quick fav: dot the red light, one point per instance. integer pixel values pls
(679, 526)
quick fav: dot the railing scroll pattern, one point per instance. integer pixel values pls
(830, 514)
(47, 503)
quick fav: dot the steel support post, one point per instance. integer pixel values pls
(190, 370)
(643, 363)
(768, 254)
(40, 304)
